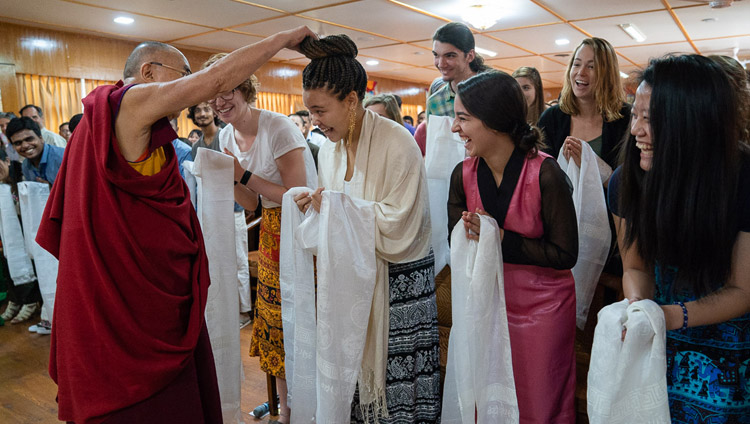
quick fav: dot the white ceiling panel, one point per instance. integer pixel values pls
(655, 26)
(275, 25)
(725, 46)
(74, 16)
(403, 53)
(583, 9)
(417, 74)
(197, 11)
(220, 41)
(542, 39)
(292, 6)
(514, 13)
(382, 18)
(538, 62)
(734, 20)
(642, 54)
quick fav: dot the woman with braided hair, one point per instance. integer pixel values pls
(373, 159)
(526, 192)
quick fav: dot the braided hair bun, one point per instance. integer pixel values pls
(333, 66)
(332, 45)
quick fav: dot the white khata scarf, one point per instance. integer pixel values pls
(594, 234)
(14, 246)
(480, 367)
(627, 381)
(325, 345)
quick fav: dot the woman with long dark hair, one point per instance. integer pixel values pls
(531, 84)
(528, 195)
(681, 204)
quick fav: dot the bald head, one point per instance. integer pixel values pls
(153, 51)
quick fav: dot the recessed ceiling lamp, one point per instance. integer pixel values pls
(372, 62)
(633, 32)
(562, 41)
(485, 52)
(124, 20)
(481, 16)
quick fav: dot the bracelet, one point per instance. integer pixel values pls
(245, 177)
(684, 316)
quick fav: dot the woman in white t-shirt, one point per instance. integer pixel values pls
(271, 156)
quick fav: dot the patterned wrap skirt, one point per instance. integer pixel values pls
(268, 337)
(413, 372)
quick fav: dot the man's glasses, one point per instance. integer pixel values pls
(182, 72)
(226, 97)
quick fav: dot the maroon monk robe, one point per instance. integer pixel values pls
(132, 281)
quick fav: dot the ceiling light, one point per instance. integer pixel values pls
(623, 75)
(633, 32)
(372, 62)
(485, 52)
(562, 41)
(481, 16)
(124, 20)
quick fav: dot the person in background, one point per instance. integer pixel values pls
(408, 120)
(592, 108)
(204, 117)
(681, 204)
(312, 135)
(420, 117)
(531, 84)
(271, 156)
(455, 58)
(64, 131)
(35, 112)
(10, 152)
(384, 105)
(526, 192)
(180, 144)
(74, 120)
(299, 121)
(408, 126)
(194, 136)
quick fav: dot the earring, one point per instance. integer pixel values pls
(350, 135)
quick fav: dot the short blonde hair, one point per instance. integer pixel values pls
(608, 93)
(249, 88)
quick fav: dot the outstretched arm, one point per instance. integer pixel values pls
(144, 104)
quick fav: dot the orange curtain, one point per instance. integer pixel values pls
(59, 97)
(284, 104)
(91, 84)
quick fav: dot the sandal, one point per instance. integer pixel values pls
(27, 311)
(10, 311)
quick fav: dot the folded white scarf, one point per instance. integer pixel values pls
(14, 246)
(627, 381)
(480, 366)
(325, 348)
(32, 198)
(594, 234)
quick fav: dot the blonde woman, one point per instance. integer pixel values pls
(533, 91)
(386, 106)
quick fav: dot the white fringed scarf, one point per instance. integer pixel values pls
(479, 374)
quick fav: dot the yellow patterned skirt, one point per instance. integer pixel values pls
(268, 337)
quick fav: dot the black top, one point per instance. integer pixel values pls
(556, 127)
(558, 246)
(743, 195)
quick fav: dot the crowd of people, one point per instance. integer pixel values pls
(674, 167)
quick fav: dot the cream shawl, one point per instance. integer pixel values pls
(389, 171)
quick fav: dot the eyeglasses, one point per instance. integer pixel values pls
(226, 97)
(182, 72)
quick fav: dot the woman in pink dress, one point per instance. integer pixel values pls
(525, 191)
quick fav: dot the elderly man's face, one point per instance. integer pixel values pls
(32, 113)
(173, 65)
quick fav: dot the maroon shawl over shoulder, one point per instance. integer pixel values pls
(133, 273)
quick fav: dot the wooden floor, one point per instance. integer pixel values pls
(27, 393)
